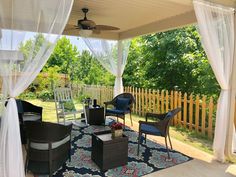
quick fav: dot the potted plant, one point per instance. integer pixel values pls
(116, 129)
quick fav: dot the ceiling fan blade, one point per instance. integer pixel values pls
(96, 31)
(105, 27)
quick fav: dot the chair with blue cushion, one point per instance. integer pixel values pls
(157, 128)
(122, 104)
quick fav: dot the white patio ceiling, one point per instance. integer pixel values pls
(135, 17)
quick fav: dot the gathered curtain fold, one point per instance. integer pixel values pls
(217, 29)
(28, 37)
(112, 55)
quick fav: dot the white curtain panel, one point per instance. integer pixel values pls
(36, 25)
(217, 29)
(112, 55)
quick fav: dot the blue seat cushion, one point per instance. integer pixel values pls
(149, 129)
(115, 111)
(122, 103)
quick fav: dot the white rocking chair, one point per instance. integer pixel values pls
(64, 104)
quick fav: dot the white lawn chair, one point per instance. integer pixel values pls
(64, 104)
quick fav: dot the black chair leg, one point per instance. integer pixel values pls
(145, 138)
(139, 141)
(170, 141)
(168, 153)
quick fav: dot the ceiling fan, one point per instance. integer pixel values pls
(87, 27)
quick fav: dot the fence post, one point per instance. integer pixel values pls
(167, 101)
(175, 106)
(180, 105)
(139, 102)
(150, 100)
(197, 114)
(185, 110)
(158, 101)
(203, 122)
(154, 101)
(172, 104)
(211, 108)
(162, 102)
(146, 101)
(191, 112)
(142, 102)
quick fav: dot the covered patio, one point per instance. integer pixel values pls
(216, 20)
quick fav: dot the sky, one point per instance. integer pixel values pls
(6, 42)
(77, 41)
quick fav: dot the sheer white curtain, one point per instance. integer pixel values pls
(112, 55)
(29, 31)
(217, 29)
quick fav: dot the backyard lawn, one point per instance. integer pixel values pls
(191, 138)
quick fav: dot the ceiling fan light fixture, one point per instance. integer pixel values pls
(85, 32)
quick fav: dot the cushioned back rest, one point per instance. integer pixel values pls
(45, 146)
(46, 131)
(122, 103)
(31, 117)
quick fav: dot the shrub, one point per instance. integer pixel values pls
(27, 96)
(45, 95)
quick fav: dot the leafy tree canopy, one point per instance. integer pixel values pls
(168, 59)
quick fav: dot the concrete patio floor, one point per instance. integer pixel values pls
(202, 165)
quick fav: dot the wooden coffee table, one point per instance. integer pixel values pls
(108, 152)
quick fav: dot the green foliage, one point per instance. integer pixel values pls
(53, 77)
(89, 71)
(69, 106)
(168, 59)
(45, 95)
(63, 56)
(158, 61)
(28, 95)
(81, 68)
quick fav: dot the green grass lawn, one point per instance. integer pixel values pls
(191, 138)
(49, 110)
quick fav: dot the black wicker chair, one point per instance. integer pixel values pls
(158, 128)
(122, 105)
(49, 146)
(27, 112)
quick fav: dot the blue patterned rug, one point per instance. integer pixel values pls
(152, 156)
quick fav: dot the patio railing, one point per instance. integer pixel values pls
(198, 113)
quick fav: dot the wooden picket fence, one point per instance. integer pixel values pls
(197, 112)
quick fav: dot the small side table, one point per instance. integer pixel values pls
(108, 152)
(95, 116)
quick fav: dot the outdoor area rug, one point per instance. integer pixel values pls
(152, 156)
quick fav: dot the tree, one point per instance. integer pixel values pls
(90, 71)
(168, 59)
(64, 55)
(32, 46)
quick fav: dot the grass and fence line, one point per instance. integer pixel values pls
(198, 112)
